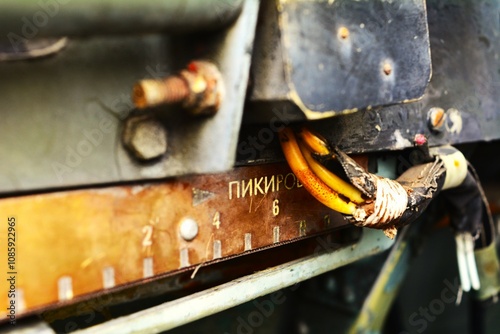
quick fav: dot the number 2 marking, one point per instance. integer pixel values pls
(148, 232)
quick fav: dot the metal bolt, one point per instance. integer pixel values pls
(188, 229)
(436, 118)
(199, 88)
(145, 137)
(343, 33)
(171, 90)
(387, 68)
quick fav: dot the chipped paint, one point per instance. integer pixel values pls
(454, 124)
(399, 140)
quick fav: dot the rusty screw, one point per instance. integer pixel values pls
(436, 118)
(145, 137)
(343, 33)
(199, 88)
(387, 68)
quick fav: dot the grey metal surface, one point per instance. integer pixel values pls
(62, 117)
(202, 304)
(30, 19)
(329, 57)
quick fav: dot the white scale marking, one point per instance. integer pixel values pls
(302, 230)
(276, 234)
(20, 302)
(108, 277)
(148, 267)
(184, 257)
(217, 249)
(248, 241)
(65, 288)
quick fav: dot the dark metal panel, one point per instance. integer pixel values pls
(324, 58)
(465, 49)
(346, 55)
(465, 83)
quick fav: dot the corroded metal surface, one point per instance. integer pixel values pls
(86, 241)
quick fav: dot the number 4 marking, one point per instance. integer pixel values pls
(216, 221)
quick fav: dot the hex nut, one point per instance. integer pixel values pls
(145, 137)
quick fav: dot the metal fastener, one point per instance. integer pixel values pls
(343, 33)
(436, 118)
(145, 137)
(188, 229)
(387, 68)
(200, 89)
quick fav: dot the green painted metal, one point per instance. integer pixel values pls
(196, 306)
(30, 19)
(377, 305)
(489, 272)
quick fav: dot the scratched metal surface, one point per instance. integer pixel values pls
(465, 49)
(88, 241)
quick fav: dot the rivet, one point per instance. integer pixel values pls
(387, 68)
(188, 229)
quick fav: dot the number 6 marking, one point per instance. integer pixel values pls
(276, 208)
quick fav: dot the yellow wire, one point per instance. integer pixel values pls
(313, 184)
(333, 181)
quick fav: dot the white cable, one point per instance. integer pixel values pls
(462, 262)
(471, 261)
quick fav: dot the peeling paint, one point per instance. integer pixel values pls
(454, 124)
(399, 140)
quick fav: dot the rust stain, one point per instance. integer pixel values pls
(79, 233)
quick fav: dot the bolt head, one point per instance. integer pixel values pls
(343, 33)
(145, 137)
(188, 229)
(436, 118)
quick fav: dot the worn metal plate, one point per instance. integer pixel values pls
(465, 83)
(70, 244)
(465, 47)
(342, 56)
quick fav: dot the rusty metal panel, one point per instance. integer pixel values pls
(88, 241)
